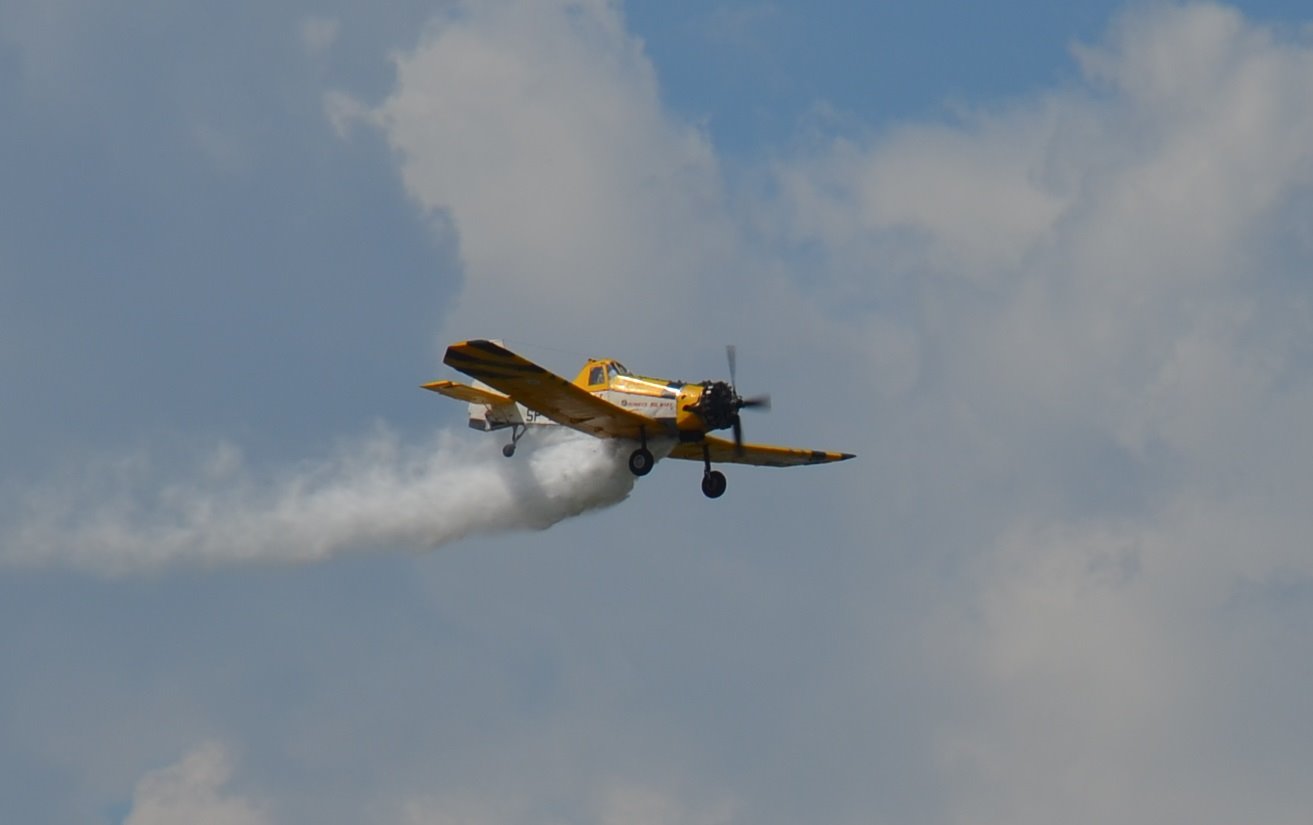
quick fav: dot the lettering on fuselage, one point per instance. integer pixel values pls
(643, 404)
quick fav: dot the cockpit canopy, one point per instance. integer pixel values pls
(599, 372)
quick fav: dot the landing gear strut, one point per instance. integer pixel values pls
(517, 432)
(713, 481)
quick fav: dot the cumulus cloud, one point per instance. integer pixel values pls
(536, 131)
(1105, 655)
(1090, 316)
(376, 494)
(961, 200)
(192, 791)
(1111, 316)
(1094, 252)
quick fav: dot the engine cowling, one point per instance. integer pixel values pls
(711, 405)
(687, 419)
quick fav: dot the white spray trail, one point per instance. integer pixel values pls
(374, 495)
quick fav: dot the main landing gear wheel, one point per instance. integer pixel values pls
(641, 461)
(508, 450)
(714, 484)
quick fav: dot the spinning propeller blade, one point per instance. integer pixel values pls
(761, 402)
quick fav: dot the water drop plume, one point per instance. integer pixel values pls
(374, 494)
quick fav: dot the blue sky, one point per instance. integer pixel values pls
(1044, 268)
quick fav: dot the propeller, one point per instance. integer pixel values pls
(719, 403)
(760, 402)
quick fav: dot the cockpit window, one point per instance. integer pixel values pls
(597, 375)
(611, 371)
(618, 368)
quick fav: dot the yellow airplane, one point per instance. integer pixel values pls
(607, 401)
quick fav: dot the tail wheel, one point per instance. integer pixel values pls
(713, 484)
(641, 461)
(517, 432)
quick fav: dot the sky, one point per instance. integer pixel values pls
(1043, 267)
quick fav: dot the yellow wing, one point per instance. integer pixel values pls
(721, 451)
(547, 393)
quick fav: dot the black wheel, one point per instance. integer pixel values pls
(641, 461)
(714, 484)
(508, 450)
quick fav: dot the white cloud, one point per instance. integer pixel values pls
(1114, 668)
(970, 202)
(192, 791)
(1112, 312)
(1115, 244)
(1099, 355)
(537, 129)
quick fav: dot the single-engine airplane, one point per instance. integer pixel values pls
(608, 401)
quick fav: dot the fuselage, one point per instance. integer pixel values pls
(655, 398)
(665, 401)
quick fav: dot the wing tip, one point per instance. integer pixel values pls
(820, 457)
(464, 348)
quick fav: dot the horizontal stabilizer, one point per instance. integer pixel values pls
(464, 392)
